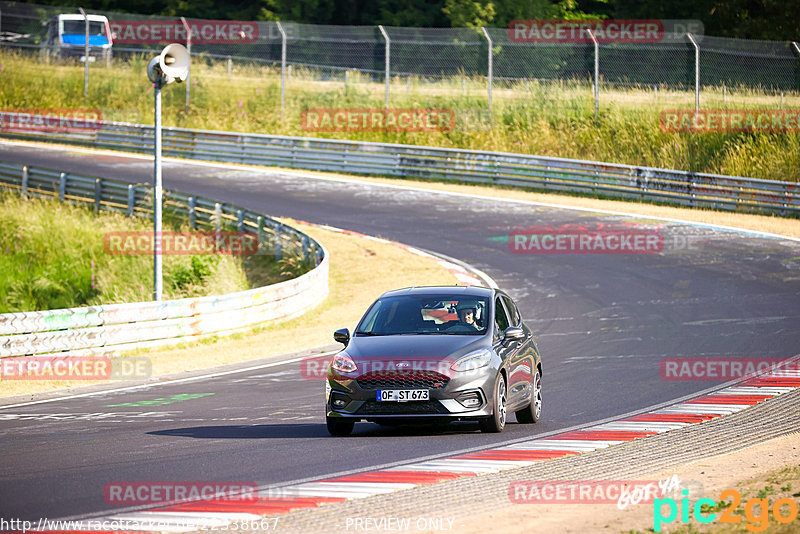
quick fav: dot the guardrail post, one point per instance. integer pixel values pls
(696, 73)
(283, 65)
(62, 186)
(98, 190)
(387, 57)
(259, 229)
(240, 221)
(192, 213)
(278, 249)
(218, 216)
(24, 190)
(490, 69)
(131, 199)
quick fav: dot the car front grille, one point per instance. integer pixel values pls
(415, 379)
(431, 407)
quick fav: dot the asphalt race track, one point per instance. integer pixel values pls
(604, 323)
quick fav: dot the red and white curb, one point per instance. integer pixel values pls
(276, 501)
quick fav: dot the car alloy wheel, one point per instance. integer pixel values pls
(533, 411)
(497, 421)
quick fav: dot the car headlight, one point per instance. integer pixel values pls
(343, 363)
(473, 360)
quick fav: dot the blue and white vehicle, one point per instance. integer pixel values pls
(66, 37)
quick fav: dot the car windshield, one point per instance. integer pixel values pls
(78, 27)
(425, 314)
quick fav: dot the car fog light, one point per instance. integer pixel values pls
(470, 400)
(338, 400)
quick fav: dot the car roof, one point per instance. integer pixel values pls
(456, 291)
(78, 16)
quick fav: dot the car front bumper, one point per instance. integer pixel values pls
(357, 402)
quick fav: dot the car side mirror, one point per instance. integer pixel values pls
(343, 336)
(513, 333)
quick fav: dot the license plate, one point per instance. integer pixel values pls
(403, 395)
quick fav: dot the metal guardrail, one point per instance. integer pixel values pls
(517, 170)
(109, 329)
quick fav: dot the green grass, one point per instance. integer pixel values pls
(52, 255)
(549, 119)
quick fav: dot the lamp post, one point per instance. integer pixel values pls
(170, 66)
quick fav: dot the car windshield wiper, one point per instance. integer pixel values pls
(357, 332)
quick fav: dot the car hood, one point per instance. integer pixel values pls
(411, 346)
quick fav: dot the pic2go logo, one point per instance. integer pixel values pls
(784, 511)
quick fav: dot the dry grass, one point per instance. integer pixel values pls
(547, 118)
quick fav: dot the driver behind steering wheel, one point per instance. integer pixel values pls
(467, 312)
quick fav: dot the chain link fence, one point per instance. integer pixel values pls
(472, 61)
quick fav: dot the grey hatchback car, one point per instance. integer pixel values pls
(442, 353)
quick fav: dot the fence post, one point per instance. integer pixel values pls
(240, 221)
(189, 68)
(230, 66)
(131, 199)
(490, 69)
(218, 216)
(62, 186)
(797, 49)
(387, 57)
(596, 88)
(278, 250)
(259, 231)
(98, 186)
(85, 54)
(283, 65)
(696, 73)
(193, 213)
(24, 190)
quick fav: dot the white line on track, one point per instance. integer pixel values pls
(167, 382)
